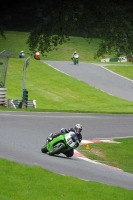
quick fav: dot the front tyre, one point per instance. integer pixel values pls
(44, 149)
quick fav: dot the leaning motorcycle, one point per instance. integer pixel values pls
(76, 59)
(61, 144)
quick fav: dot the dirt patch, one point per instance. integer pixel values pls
(99, 153)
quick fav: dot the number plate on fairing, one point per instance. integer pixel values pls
(69, 140)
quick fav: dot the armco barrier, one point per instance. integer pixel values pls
(16, 103)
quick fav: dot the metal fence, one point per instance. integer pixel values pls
(4, 56)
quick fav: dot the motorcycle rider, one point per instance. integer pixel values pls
(21, 54)
(77, 130)
(37, 55)
(75, 53)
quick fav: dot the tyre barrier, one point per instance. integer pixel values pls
(2, 96)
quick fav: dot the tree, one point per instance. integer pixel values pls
(116, 31)
(54, 22)
(51, 22)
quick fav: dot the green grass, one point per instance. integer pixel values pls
(124, 69)
(19, 181)
(55, 91)
(85, 50)
(47, 86)
(114, 154)
(52, 93)
(16, 41)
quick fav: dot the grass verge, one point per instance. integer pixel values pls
(57, 92)
(25, 182)
(32, 183)
(117, 154)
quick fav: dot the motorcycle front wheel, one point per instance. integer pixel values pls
(44, 149)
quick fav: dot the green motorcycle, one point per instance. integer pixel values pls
(76, 59)
(61, 144)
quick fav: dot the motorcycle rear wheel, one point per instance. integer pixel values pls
(57, 150)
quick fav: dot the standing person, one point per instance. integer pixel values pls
(77, 130)
(75, 53)
(21, 54)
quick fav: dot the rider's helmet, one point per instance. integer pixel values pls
(78, 128)
(22, 51)
(75, 52)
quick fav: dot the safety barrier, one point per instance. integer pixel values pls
(31, 104)
(2, 96)
(16, 103)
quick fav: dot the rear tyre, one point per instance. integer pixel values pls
(57, 150)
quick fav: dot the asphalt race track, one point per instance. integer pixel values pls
(22, 134)
(98, 77)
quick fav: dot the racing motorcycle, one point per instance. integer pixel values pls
(76, 59)
(37, 55)
(61, 144)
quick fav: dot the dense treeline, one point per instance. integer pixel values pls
(50, 22)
